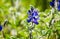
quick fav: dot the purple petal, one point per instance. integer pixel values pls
(0, 27)
(32, 8)
(52, 4)
(35, 21)
(28, 20)
(59, 8)
(34, 14)
(29, 16)
(29, 12)
(58, 0)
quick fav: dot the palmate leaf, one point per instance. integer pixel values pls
(57, 25)
(23, 34)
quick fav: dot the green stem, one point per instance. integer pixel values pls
(30, 31)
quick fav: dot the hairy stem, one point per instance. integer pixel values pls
(30, 31)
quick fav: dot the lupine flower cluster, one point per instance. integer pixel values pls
(53, 4)
(58, 5)
(0, 27)
(33, 16)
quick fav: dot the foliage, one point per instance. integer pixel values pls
(13, 19)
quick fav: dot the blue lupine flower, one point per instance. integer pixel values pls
(58, 0)
(58, 5)
(33, 16)
(52, 3)
(32, 8)
(59, 8)
(0, 27)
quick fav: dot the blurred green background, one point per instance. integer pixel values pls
(16, 27)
